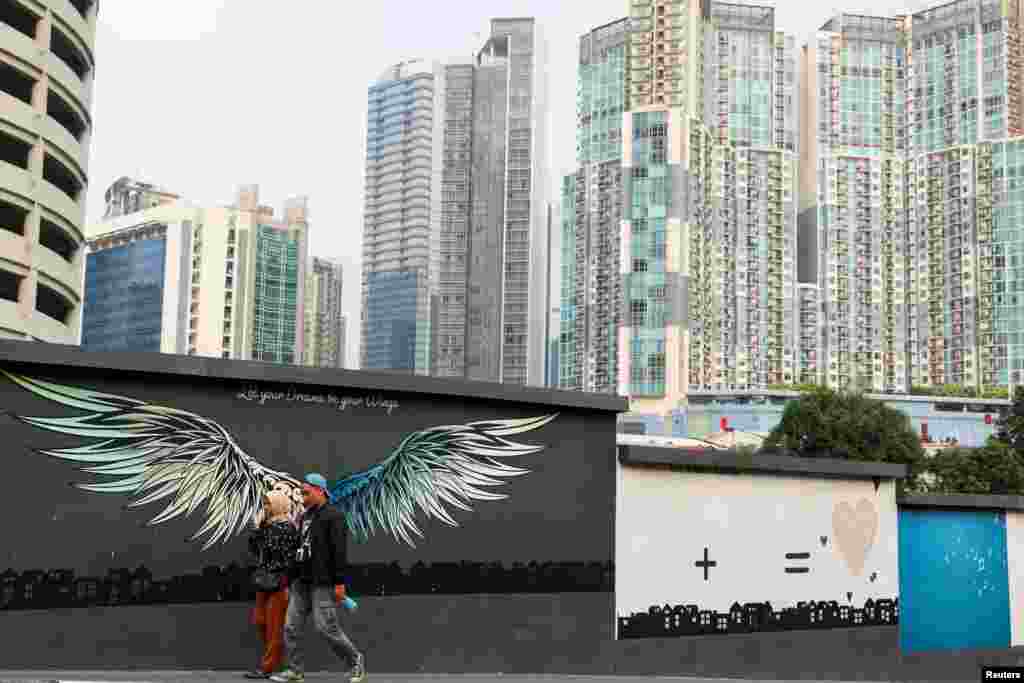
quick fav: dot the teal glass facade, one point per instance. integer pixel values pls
(275, 295)
(1001, 262)
(647, 187)
(600, 94)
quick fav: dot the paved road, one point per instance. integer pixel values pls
(317, 677)
(236, 677)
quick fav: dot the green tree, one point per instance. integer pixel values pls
(995, 468)
(842, 424)
(1010, 425)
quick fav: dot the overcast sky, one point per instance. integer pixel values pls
(200, 96)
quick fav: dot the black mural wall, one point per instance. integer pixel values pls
(70, 547)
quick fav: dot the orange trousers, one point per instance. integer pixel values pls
(268, 617)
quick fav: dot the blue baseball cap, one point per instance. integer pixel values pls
(317, 479)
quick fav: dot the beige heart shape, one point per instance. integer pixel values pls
(854, 529)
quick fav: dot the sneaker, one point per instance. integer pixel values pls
(288, 676)
(358, 673)
(257, 674)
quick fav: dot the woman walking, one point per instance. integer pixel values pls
(274, 543)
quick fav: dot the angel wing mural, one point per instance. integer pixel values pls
(154, 453)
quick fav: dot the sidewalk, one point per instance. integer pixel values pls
(317, 677)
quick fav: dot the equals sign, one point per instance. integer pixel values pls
(798, 556)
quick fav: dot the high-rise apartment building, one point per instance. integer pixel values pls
(491, 261)
(743, 263)
(225, 282)
(708, 245)
(908, 208)
(965, 108)
(46, 76)
(853, 227)
(666, 161)
(343, 342)
(401, 218)
(325, 331)
(854, 224)
(809, 331)
(591, 216)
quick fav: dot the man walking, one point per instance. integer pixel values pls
(317, 584)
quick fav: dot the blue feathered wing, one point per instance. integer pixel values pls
(444, 465)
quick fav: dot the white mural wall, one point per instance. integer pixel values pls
(1015, 571)
(712, 540)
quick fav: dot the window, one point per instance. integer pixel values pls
(83, 7)
(10, 284)
(61, 177)
(55, 239)
(14, 150)
(51, 303)
(637, 311)
(60, 111)
(13, 217)
(18, 17)
(65, 50)
(16, 83)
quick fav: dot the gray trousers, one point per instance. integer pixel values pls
(303, 599)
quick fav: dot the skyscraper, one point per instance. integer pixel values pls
(226, 282)
(884, 177)
(908, 195)
(325, 339)
(853, 230)
(743, 326)
(965, 108)
(591, 215)
(343, 341)
(709, 233)
(666, 161)
(401, 218)
(47, 70)
(491, 315)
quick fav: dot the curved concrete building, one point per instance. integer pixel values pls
(46, 76)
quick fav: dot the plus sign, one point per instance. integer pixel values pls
(705, 564)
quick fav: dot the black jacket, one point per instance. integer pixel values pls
(274, 546)
(328, 545)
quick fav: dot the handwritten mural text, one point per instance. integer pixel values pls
(292, 395)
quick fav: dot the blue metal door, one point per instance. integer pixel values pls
(954, 588)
